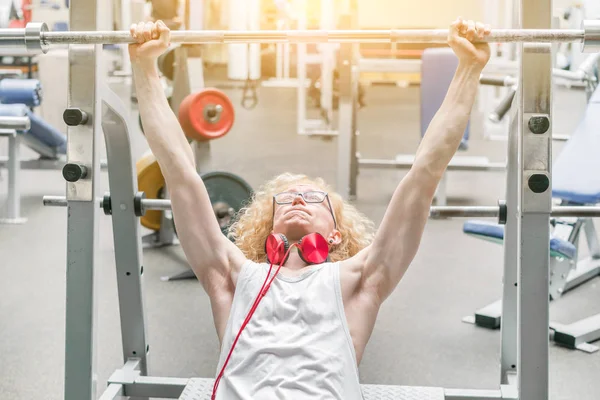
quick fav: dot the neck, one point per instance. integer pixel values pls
(294, 262)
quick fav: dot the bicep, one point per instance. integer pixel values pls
(206, 248)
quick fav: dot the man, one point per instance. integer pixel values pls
(303, 335)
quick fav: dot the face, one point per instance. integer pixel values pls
(301, 217)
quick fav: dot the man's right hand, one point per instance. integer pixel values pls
(461, 38)
(152, 38)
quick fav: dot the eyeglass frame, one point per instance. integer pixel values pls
(311, 202)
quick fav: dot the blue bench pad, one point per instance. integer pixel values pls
(558, 247)
(39, 129)
(575, 176)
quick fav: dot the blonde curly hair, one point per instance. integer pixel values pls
(254, 222)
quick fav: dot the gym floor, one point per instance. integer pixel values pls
(419, 338)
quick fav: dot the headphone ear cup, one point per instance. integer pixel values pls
(274, 250)
(313, 248)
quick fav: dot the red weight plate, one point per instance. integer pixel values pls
(192, 115)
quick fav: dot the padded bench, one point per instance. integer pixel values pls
(495, 233)
(41, 137)
(201, 389)
(575, 177)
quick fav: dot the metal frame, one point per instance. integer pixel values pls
(528, 204)
(14, 165)
(322, 126)
(13, 197)
(11, 127)
(566, 275)
(533, 206)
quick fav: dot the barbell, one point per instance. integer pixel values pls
(36, 37)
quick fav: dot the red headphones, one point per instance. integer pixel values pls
(312, 248)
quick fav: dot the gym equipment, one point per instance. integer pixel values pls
(438, 66)
(166, 63)
(318, 65)
(206, 115)
(48, 141)
(21, 91)
(228, 193)
(577, 190)
(500, 212)
(36, 37)
(152, 183)
(21, 126)
(10, 127)
(585, 76)
(524, 352)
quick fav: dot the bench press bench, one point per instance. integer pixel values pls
(575, 182)
(201, 389)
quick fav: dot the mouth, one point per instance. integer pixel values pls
(297, 210)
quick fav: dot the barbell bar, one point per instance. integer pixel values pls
(36, 37)
(495, 211)
(141, 204)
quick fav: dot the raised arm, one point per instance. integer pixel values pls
(399, 235)
(210, 254)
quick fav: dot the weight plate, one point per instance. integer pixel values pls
(166, 63)
(151, 182)
(228, 193)
(195, 117)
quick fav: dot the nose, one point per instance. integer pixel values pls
(298, 199)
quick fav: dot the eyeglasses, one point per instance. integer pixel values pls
(313, 196)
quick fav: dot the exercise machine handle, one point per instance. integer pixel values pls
(501, 109)
(491, 80)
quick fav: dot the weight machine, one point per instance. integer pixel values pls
(524, 356)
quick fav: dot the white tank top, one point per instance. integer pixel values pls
(297, 344)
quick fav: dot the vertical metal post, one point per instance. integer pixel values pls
(327, 61)
(82, 226)
(354, 133)
(535, 202)
(346, 125)
(127, 239)
(13, 201)
(301, 98)
(592, 238)
(301, 49)
(508, 328)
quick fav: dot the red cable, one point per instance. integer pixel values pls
(262, 292)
